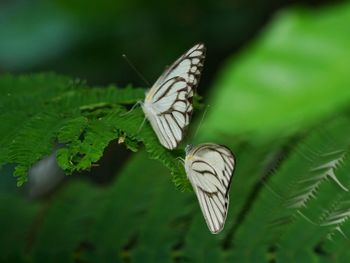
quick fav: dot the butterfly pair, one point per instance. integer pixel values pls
(168, 107)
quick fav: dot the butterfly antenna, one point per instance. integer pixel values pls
(200, 123)
(135, 69)
(132, 108)
(142, 123)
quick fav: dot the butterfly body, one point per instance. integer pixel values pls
(209, 168)
(168, 104)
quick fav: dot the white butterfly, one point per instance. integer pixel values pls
(168, 104)
(209, 168)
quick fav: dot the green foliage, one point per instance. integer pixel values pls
(303, 200)
(142, 218)
(85, 223)
(289, 199)
(41, 111)
(17, 223)
(295, 75)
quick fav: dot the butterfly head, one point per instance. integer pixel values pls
(149, 95)
(188, 148)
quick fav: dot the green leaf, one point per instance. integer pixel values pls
(294, 75)
(17, 217)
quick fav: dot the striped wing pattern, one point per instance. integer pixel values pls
(209, 168)
(168, 104)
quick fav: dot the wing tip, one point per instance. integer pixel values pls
(200, 45)
(217, 231)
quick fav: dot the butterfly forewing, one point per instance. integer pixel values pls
(209, 168)
(188, 66)
(168, 104)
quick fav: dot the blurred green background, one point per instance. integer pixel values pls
(277, 83)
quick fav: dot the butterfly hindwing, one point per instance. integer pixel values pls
(168, 104)
(209, 168)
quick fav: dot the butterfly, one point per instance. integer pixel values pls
(209, 167)
(168, 104)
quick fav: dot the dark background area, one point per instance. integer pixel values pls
(86, 39)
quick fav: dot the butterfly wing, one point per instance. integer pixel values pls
(188, 66)
(209, 168)
(168, 104)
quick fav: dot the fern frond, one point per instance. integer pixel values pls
(33, 140)
(337, 244)
(47, 109)
(300, 207)
(326, 168)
